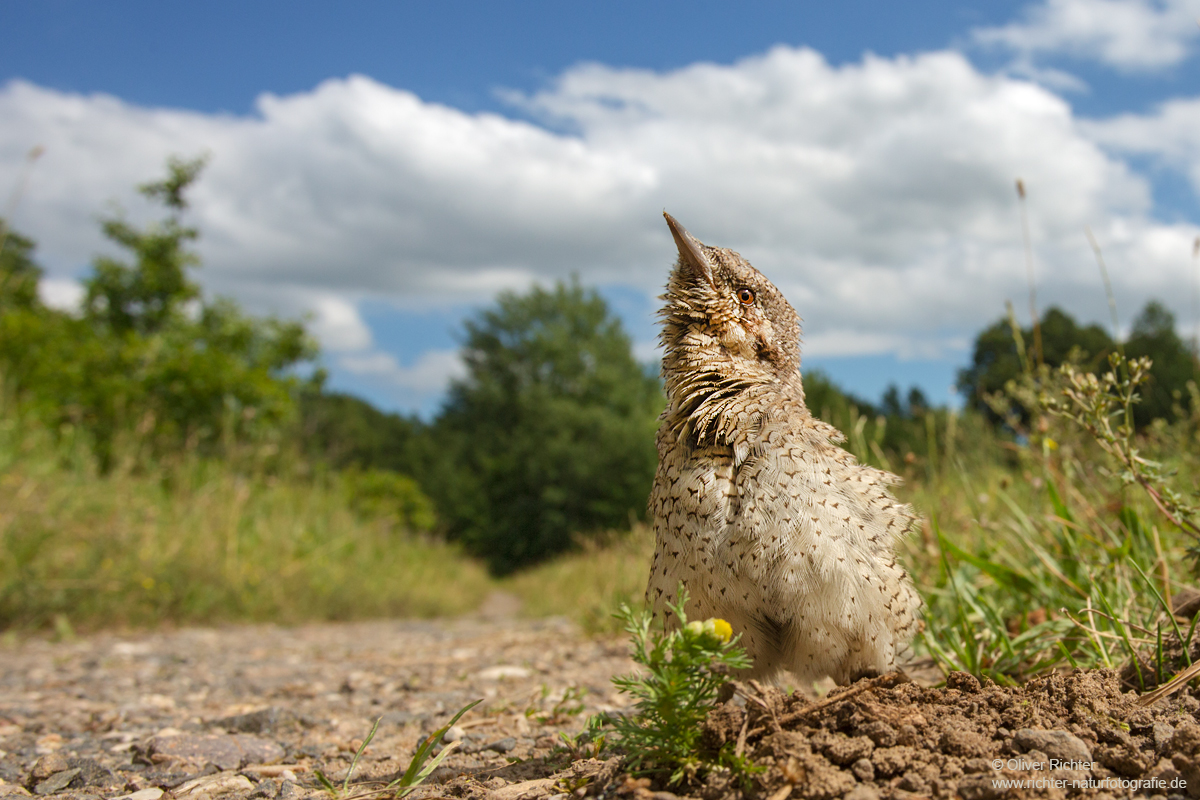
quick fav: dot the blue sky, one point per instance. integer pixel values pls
(387, 167)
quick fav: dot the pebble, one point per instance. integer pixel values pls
(863, 769)
(502, 672)
(504, 745)
(1061, 745)
(221, 783)
(57, 782)
(226, 751)
(48, 765)
(153, 793)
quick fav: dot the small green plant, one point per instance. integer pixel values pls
(588, 743)
(685, 668)
(1103, 406)
(566, 706)
(423, 763)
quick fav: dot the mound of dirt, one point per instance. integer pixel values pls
(1064, 735)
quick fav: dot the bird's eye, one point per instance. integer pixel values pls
(746, 296)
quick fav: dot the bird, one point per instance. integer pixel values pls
(757, 512)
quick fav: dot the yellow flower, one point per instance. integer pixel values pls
(721, 629)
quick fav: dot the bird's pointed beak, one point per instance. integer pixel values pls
(690, 253)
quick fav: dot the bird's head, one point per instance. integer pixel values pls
(724, 323)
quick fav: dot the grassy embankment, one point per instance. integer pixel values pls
(204, 541)
(1045, 556)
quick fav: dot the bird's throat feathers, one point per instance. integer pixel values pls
(720, 384)
(731, 341)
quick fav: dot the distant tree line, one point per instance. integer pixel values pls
(996, 359)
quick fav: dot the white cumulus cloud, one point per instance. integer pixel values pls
(338, 326)
(63, 294)
(429, 375)
(1170, 133)
(879, 195)
(1133, 35)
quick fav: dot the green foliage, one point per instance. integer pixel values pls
(344, 431)
(19, 275)
(1069, 585)
(998, 358)
(1001, 357)
(1172, 365)
(201, 540)
(550, 435)
(389, 496)
(684, 670)
(148, 295)
(149, 353)
(897, 435)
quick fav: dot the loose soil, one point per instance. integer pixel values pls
(255, 711)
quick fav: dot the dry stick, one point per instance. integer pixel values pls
(1033, 315)
(1171, 686)
(1112, 300)
(867, 684)
(1149, 633)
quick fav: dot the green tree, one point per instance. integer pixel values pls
(551, 433)
(149, 294)
(345, 431)
(1174, 364)
(995, 360)
(19, 275)
(150, 353)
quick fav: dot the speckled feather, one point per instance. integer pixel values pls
(757, 511)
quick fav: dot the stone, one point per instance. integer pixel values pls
(262, 721)
(524, 789)
(48, 765)
(1062, 746)
(502, 672)
(211, 785)
(56, 782)
(226, 751)
(863, 769)
(153, 793)
(504, 745)
(862, 792)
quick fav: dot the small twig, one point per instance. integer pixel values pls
(867, 684)
(1171, 686)
(740, 748)
(769, 706)
(783, 793)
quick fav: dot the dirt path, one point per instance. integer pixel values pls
(252, 712)
(153, 711)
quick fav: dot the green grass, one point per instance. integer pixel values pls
(590, 585)
(201, 541)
